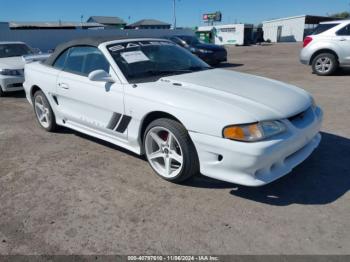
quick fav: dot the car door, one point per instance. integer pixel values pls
(343, 39)
(91, 105)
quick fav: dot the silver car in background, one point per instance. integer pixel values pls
(328, 48)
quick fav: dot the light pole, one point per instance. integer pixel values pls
(174, 10)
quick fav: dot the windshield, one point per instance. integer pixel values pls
(147, 61)
(323, 28)
(11, 50)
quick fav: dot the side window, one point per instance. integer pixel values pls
(61, 60)
(83, 60)
(95, 61)
(344, 31)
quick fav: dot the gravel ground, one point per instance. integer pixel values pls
(67, 193)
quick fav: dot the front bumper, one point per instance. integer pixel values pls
(11, 83)
(213, 58)
(26, 88)
(259, 163)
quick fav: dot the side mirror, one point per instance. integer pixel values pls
(184, 44)
(100, 76)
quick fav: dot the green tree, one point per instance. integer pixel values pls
(341, 15)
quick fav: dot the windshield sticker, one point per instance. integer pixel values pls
(134, 57)
(129, 45)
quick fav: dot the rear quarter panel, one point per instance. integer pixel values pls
(321, 42)
(40, 75)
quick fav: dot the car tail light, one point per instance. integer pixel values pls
(307, 41)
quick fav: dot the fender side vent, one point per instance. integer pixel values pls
(124, 123)
(114, 121)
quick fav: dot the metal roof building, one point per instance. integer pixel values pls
(110, 21)
(291, 29)
(52, 25)
(149, 24)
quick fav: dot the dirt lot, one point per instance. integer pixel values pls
(66, 193)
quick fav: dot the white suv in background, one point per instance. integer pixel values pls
(11, 65)
(328, 47)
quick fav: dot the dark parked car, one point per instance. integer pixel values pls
(210, 53)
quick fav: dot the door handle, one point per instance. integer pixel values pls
(63, 85)
(342, 39)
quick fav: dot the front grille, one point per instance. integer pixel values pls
(20, 72)
(220, 54)
(15, 85)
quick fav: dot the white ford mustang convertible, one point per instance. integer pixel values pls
(153, 97)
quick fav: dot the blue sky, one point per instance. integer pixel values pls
(189, 12)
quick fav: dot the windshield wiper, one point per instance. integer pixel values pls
(176, 71)
(11, 56)
(200, 68)
(165, 72)
(187, 70)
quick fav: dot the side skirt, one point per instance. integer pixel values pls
(103, 136)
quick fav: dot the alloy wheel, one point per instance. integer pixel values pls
(164, 152)
(42, 111)
(323, 65)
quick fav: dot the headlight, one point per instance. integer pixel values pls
(205, 51)
(253, 132)
(10, 72)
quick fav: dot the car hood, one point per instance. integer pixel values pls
(12, 63)
(224, 92)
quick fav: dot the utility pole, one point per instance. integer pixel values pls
(174, 7)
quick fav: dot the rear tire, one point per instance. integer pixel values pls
(43, 112)
(325, 64)
(170, 150)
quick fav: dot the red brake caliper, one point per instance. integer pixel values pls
(164, 135)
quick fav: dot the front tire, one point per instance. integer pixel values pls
(170, 150)
(2, 93)
(325, 64)
(43, 112)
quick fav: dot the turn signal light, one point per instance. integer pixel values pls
(253, 132)
(234, 132)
